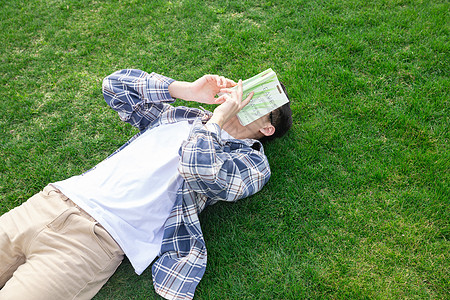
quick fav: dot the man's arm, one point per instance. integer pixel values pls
(137, 96)
(223, 171)
(226, 172)
(203, 90)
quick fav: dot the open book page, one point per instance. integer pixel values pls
(268, 96)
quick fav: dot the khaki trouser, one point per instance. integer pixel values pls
(51, 249)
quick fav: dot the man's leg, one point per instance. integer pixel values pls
(15, 228)
(67, 254)
(10, 256)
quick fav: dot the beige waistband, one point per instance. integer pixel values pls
(50, 188)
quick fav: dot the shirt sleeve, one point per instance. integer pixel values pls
(137, 96)
(222, 171)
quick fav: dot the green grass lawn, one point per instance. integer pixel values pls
(358, 203)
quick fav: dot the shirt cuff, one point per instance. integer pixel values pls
(163, 89)
(214, 128)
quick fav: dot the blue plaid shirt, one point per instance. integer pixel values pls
(213, 169)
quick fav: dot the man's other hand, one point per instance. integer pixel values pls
(203, 90)
(230, 104)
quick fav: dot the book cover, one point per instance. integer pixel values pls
(268, 96)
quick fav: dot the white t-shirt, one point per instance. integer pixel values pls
(132, 193)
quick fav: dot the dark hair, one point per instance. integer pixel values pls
(281, 119)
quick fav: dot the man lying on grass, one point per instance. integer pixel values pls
(142, 201)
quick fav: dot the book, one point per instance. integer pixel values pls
(269, 95)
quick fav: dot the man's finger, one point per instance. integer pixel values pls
(221, 98)
(247, 100)
(239, 87)
(230, 83)
(226, 90)
(223, 82)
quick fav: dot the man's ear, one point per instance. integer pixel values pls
(267, 130)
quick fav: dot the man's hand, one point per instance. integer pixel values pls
(231, 103)
(207, 87)
(203, 90)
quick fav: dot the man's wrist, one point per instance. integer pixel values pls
(217, 120)
(181, 90)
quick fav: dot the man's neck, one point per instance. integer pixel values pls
(236, 130)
